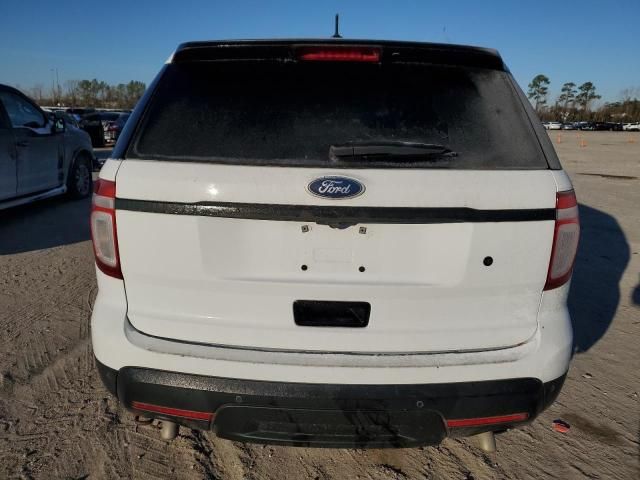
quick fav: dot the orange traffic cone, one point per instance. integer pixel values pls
(583, 142)
(559, 139)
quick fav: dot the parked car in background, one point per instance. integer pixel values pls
(40, 155)
(77, 113)
(68, 118)
(554, 125)
(95, 124)
(607, 126)
(631, 127)
(113, 128)
(587, 126)
(568, 126)
(278, 276)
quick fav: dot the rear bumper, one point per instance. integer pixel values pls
(328, 415)
(545, 357)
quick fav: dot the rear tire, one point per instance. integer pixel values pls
(80, 180)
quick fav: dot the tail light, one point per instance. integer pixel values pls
(565, 240)
(324, 53)
(103, 228)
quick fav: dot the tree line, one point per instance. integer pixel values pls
(574, 102)
(89, 93)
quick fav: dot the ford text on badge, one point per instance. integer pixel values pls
(335, 187)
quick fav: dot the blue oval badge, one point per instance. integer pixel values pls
(335, 187)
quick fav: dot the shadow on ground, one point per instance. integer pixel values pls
(45, 224)
(602, 258)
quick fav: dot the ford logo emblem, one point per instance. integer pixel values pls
(335, 187)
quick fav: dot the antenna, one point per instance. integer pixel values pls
(337, 33)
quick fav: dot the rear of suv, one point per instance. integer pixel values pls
(334, 243)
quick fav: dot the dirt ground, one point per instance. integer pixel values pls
(57, 420)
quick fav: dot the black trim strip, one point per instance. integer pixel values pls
(342, 216)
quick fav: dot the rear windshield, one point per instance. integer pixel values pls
(291, 114)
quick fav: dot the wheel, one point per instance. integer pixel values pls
(80, 180)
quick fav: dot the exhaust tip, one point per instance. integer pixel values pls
(486, 441)
(169, 430)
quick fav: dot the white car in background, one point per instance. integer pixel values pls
(554, 126)
(631, 127)
(344, 248)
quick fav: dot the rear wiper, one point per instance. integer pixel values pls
(389, 151)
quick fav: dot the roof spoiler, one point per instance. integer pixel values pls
(391, 51)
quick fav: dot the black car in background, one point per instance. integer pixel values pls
(95, 124)
(113, 129)
(585, 126)
(607, 126)
(78, 113)
(599, 126)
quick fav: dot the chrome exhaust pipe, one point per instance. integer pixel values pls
(169, 430)
(486, 441)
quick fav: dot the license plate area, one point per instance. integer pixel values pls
(330, 428)
(318, 313)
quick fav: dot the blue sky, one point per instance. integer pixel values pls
(118, 41)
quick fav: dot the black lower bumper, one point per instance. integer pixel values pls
(327, 415)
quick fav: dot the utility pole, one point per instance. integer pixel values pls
(57, 85)
(53, 88)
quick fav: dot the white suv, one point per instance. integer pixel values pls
(334, 243)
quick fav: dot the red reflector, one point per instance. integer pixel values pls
(105, 188)
(338, 54)
(174, 412)
(566, 199)
(476, 422)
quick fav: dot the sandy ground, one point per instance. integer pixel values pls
(57, 421)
